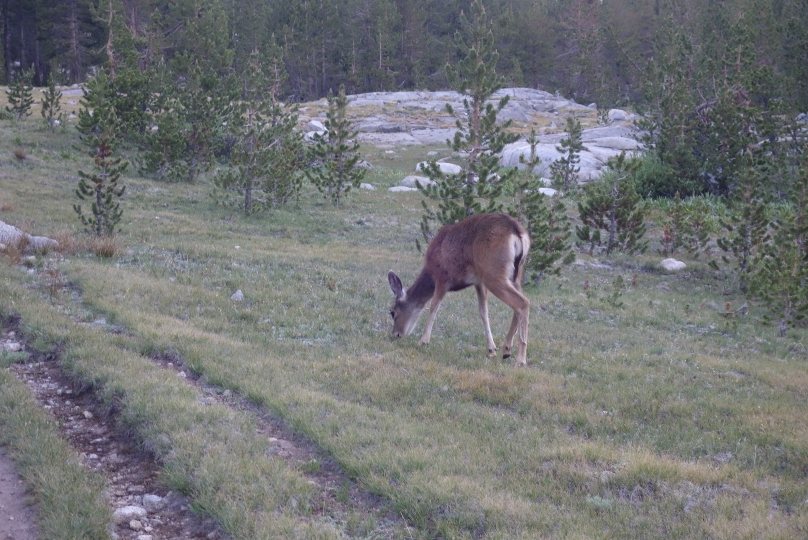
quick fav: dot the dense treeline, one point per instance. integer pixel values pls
(591, 50)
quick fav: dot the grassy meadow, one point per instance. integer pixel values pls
(660, 418)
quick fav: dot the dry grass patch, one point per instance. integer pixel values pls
(68, 243)
(102, 246)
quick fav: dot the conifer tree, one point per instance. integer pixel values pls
(612, 205)
(98, 128)
(544, 218)
(674, 228)
(479, 185)
(189, 118)
(337, 152)
(747, 224)
(51, 105)
(265, 167)
(780, 276)
(20, 96)
(564, 170)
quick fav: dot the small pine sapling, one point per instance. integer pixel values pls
(780, 275)
(614, 299)
(20, 95)
(264, 167)
(166, 142)
(544, 218)
(337, 151)
(564, 171)
(613, 205)
(479, 136)
(97, 125)
(674, 229)
(701, 224)
(189, 117)
(747, 225)
(51, 105)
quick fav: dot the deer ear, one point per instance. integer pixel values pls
(395, 285)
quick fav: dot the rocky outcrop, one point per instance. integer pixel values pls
(389, 119)
(12, 236)
(600, 145)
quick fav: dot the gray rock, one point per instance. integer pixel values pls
(128, 513)
(312, 136)
(445, 168)
(550, 192)
(399, 189)
(153, 503)
(315, 125)
(802, 118)
(672, 265)
(237, 296)
(409, 181)
(617, 115)
(9, 234)
(12, 346)
(615, 143)
(369, 187)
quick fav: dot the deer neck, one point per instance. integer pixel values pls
(421, 290)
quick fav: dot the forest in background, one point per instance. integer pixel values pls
(604, 51)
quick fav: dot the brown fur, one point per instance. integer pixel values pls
(487, 251)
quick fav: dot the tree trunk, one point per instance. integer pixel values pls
(74, 63)
(6, 43)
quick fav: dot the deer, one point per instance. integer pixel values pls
(487, 251)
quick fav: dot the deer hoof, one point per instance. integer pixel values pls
(506, 355)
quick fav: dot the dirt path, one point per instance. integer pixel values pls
(17, 517)
(132, 475)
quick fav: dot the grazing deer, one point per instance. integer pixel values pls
(487, 251)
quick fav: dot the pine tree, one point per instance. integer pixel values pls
(98, 128)
(479, 137)
(165, 143)
(265, 168)
(544, 218)
(564, 171)
(337, 152)
(189, 118)
(20, 95)
(780, 276)
(747, 224)
(674, 228)
(612, 204)
(51, 105)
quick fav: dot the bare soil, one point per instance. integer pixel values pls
(17, 516)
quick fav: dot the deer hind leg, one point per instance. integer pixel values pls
(433, 312)
(508, 343)
(482, 307)
(519, 323)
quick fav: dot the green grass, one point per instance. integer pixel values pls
(69, 498)
(660, 419)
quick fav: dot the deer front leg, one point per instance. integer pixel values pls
(433, 312)
(482, 307)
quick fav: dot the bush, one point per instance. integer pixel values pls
(654, 179)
